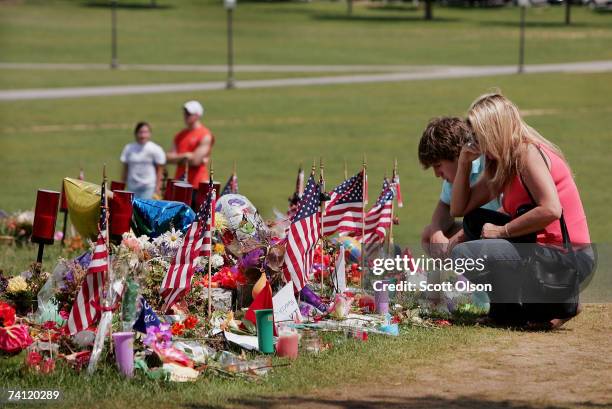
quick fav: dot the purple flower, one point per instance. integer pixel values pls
(84, 259)
(69, 277)
(160, 337)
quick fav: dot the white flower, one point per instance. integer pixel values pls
(26, 217)
(145, 242)
(216, 261)
(172, 239)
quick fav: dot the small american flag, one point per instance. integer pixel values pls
(84, 312)
(231, 186)
(303, 235)
(398, 190)
(378, 219)
(197, 242)
(343, 212)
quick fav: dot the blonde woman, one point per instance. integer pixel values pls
(538, 194)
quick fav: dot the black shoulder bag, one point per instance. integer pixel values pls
(551, 282)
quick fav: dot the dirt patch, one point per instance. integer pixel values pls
(568, 368)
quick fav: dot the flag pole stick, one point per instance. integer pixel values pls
(211, 186)
(322, 183)
(109, 296)
(345, 170)
(363, 205)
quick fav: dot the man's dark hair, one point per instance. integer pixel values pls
(442, 140)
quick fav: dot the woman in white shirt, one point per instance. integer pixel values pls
(143, 163)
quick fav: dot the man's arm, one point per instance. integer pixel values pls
(159, 170)
(174, 157)
(200, 154)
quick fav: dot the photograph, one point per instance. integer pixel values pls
(335, 204)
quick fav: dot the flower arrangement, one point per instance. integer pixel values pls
(17, 225)
(21, 290)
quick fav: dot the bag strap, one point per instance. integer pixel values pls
(564, 231)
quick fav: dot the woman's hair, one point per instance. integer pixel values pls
(140, 125)
(503, 137)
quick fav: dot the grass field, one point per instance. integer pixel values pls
(269, 132)
(194, 32)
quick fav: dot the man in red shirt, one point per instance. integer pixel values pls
(192, 146)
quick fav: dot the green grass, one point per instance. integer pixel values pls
(348, 362)
(270, 132)
(194, 32)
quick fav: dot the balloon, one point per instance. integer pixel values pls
(242, 217)
(155, 217)
(83, 200)
(352, 247)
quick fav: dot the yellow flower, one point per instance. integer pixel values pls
(220, 221)
(17, 284)
(219, 248)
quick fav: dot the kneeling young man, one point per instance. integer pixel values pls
(439, 149)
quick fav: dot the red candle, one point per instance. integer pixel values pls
(120, 212)
(168, 191)
(63, 203)
(203, 192)
(115, 185)
(287, 345)
(47, 202)
(182, 192)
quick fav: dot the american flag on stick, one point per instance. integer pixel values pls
(197, 242)
(303, 236)
(396, 182)
(378, 218)
(84, 311)
(232, 183)
(343, 212)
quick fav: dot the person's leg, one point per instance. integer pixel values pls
(502, 270)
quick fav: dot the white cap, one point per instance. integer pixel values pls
(194, 108)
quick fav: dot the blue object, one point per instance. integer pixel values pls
(155, 217)
(147, 317)
(478, 166)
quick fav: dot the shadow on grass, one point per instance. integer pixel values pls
(128, 6)
(387, 402)
(541, 24)
(393, 7)
(377, 19)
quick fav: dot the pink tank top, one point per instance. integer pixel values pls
(515, 195)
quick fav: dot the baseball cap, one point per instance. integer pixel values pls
(194, 108)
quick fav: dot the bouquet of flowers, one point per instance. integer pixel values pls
(21, 290)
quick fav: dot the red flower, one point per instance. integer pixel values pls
(7, 315)
(442, 323)
(177, 329)
(190, 322)
(49, 325)
(396, 320)
(33, 359)
(14, 338)
(64, 314)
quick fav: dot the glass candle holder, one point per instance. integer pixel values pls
(203, 189)
(45, 216)
(120, 212)
(182, 192)
(168, 190)
(116, 185)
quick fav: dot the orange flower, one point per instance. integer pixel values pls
(177, 329)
